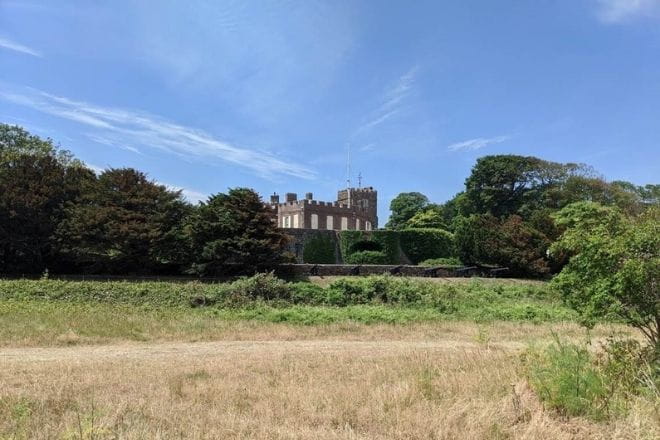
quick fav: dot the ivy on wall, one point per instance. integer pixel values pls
(319, 249)
(424, 244)
(415, 244)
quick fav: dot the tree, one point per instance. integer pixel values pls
(503, 185)
(125, 223)
(234, 229)
(614, 268)
(429, 218)
(512, 243)
(36, 181)
(404, 207)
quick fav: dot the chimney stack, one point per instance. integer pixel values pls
(291, 197)
(274, 199)
(309, 196)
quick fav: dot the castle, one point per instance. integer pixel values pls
(355, 209)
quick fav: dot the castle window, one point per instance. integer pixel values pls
(295, 221)
(367, 226)
(344, 223)
(329, 222)
(315, 221)
(357, 224)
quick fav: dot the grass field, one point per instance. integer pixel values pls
(97, 369)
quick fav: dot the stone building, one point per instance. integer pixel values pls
(355, 209)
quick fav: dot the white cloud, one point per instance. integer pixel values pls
(190, 194)
(391, 101)
(477, 143)
(12, 45)
(618, 11)
(131, 129)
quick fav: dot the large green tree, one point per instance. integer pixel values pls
(125, 223)
(404, 206)
(234, 231)
(36, 181)
(503, 185)
(614, 267)
(510, 242)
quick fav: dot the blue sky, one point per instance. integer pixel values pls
(207, 95)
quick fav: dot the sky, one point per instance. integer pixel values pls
(206, 95)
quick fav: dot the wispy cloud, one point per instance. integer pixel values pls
(131, 129)
(5, 43)
(190, 194)
(112, 143)
(477, 143)
(618, 11)
(391, 101)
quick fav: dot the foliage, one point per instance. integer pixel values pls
(614, 268)
(36, 181)
(428, 219)
(566, 379)
(319, 249)
(450, 262)
(510, 243)
(474, 300)
(387, 240)
(502, 185)
(234, 228)
(576, 382)
(367, 257)
(124, 223)
(422, 244)
(404, 207)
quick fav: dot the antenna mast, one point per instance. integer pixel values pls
(348, 173)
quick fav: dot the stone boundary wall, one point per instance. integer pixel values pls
(302, 270)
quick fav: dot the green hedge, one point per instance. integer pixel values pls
(388, 240)
(424, 244)
(448, 262)
(367, 257)
(319, 250)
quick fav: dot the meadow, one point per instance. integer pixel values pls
(377, 357)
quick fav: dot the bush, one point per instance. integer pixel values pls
(319, 250)
(449, 262)
(367, 257)
(423, 244)
(387, 240)
(471, 301)
(572, 380)
(566, 380)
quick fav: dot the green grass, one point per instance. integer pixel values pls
(74, 311)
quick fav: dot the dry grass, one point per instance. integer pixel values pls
(444, 381)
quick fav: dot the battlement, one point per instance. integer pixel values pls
(355, 207)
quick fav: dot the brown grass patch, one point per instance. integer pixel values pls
(440, 381)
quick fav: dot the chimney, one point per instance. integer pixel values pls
(309, 196)
(291, 197)
(274, 199)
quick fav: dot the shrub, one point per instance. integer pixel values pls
(259, 287)
(451, 261)
(387, 240)
(367, 257)
(319, 250)
(572, 380)
(566, 379)
(423, 244)
(505, 242)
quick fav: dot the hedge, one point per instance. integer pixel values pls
(388, 240)
(425, 244)
(367, 257)
(319, 250)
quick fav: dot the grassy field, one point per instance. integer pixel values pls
(76, 366)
